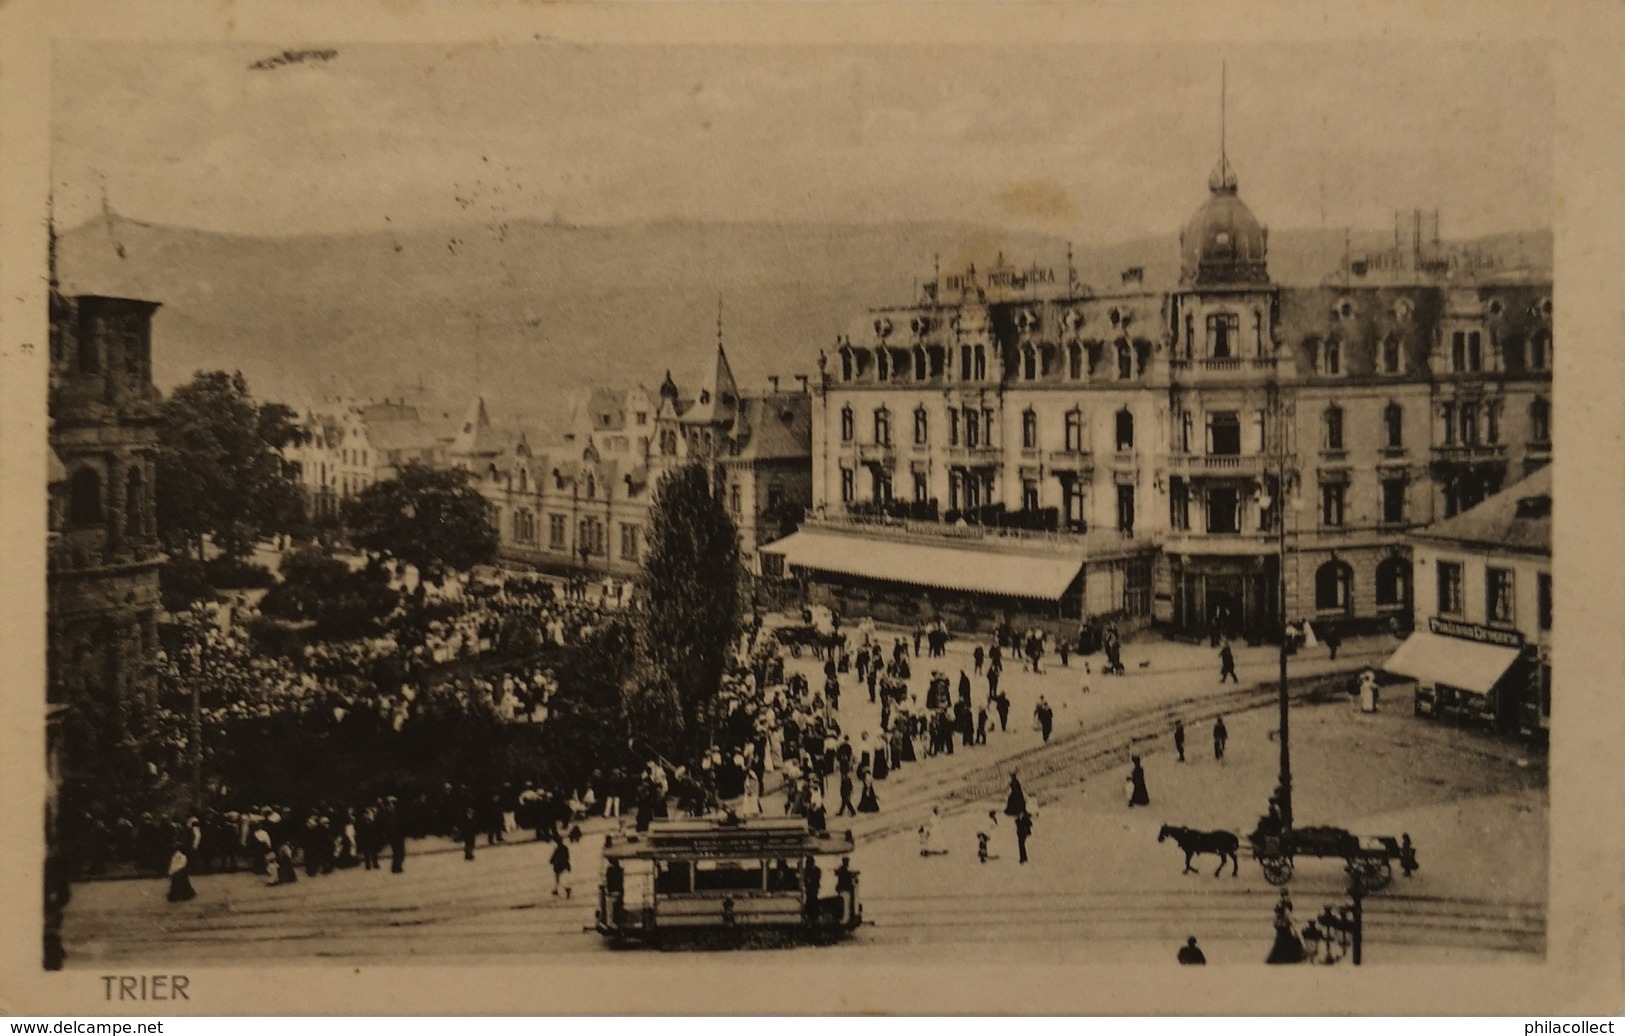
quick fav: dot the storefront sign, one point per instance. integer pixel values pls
(1473, 632)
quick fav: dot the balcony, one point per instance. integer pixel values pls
(1071, 460)
(1217, 465)
(1221, 368)
(1474, 453)
(875, 453)
(982, 455)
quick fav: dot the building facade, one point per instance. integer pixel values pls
(350, 446)
(1162, 436)
(582, 505)
(1482, 647)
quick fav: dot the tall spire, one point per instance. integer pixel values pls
(1223, 178)
(719, 322)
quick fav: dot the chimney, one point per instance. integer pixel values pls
(802, 378)
(773, 382)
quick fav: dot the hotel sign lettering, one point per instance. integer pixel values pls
(1474, 632)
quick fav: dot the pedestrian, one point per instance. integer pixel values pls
(978, 657)
(993, 680)
(1190, 953)
(868, 801)
(874, 682)
(981, 846)
(846, 809)
(1002, 704)
(1227, 664)
(1015, 804)
(560, 861)
(928, 830)
(1179, 738)
(1220, 736)
(1407, 855)
(1024, 831)
(180, 876)
(469, 830)
(1138, 795)
(1063, 648)
(919, 632)
(981, 725)
(1045, 717)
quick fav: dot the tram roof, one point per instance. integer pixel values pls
(722, 838)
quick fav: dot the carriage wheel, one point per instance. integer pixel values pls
(1277, 869)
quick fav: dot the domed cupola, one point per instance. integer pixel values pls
(1223, 243)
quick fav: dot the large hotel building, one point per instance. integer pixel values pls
(1013, 443)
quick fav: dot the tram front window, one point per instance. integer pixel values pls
(672, 877)
(783, 877)
(727, 876)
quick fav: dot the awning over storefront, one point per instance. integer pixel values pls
(1033, 577)
(1464, 664)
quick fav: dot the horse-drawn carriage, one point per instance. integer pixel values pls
(1370, 859)
(798, 638)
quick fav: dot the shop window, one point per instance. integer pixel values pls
(1333, 585)
(1449, 588)
(1500, 606)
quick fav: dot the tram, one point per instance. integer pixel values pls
(704, 878)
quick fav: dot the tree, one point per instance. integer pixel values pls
(320, 588)
(692, 582)
(432, 520)
(221, 472)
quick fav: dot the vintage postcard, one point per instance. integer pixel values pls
(989, 508)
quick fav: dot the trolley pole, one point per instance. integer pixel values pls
(1280, 532)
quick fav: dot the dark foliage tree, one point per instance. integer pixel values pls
(320, 588)
(692, 588)
(432, 520)
(221, 473)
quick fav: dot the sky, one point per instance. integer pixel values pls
(1102, 144)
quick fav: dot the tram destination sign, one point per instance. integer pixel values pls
(1475, 632)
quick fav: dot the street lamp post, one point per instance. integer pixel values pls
(1285, 793)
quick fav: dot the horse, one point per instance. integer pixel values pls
(1194, 843)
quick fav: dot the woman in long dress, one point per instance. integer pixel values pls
(1016, 804)
(1138, 795)
(180, 877)
(868, 802)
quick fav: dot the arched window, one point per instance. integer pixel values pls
(1125, 360)
(1540, 421)
(1392, 358)
(1258, 332)
(846, 364)
(1029, 363)
(1334, 582)
(919, 363)
(1393, 582)
(1393, 426)
(922, 427)
(1331, 358)
(85, 497)
(848, 424)
(883, 427)
(1125, 431)
(981, 363)
(1540, 353)
(592, 487)
(1332, 422)
(1029, 430)
(1074, 431)
(524, 480)
(964, 363)
(1074, 361)
(883, 364)
(134, 503)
